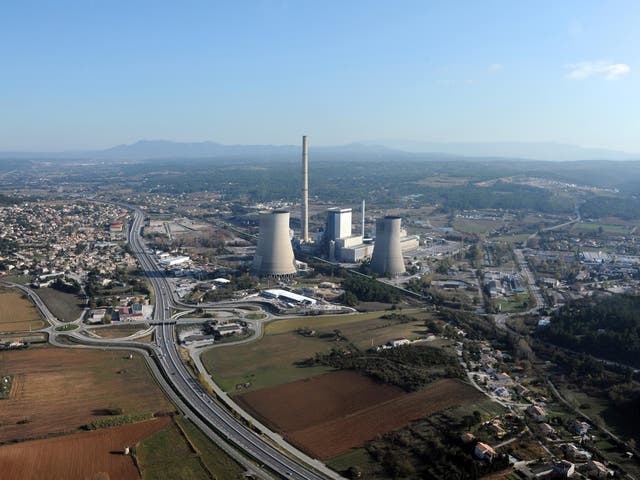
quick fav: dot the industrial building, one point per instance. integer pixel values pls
(274, 254)
(340, 243)
(387, 256)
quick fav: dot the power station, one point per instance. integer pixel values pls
(274, 254)
(387, 254)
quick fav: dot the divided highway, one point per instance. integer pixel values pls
(230, 428)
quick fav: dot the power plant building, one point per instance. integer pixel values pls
(274, 254)
(387, 255)
(341, 244)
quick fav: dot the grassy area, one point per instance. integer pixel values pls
(592, 227)
(270, 361)
(118, 331)
(64, 306)
(66, 328)
(274, 359)
(6, 382)
(357, 456)
(168, 455)
(216, 461)
(518, 238)
(514, 303)
(255, 316)
(182, 451)
(465, 225)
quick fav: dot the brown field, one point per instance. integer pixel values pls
(88, 455)
(118, 331)
(18, 313)
(333, 413)
(60, 390)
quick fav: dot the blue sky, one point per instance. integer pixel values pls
(77, 75)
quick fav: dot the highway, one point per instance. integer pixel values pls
(199, 401)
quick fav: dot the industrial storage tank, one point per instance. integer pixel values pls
(387, 254)
(274, 254)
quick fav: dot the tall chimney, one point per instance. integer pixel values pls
(305, 189)
(363, 219)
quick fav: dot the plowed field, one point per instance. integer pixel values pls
(90, 455)
(330, 414)
(18, 313)
(60, 390)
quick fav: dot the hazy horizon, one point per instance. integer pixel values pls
(90, 76)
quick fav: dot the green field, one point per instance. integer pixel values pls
(182, 451)
(273, 359)
(519, 238)
(466, 225)
(592, 227)
(514, 303)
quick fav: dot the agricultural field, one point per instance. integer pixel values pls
(595, 227)
(182, 451)
(90, 455)
(275, 358)
(66, 307)
(17, 313)
(333, 413)
(480, 227)
(60, 390)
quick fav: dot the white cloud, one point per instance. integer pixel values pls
(495, 67)
(607, 70)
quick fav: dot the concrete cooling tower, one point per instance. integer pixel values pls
(387, 253)
(274, 254)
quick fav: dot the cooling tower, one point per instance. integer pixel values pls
(274, 254)
(387, 253)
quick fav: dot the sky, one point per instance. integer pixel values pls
(93, 74)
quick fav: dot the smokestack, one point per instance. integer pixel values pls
(305, 189)
(363, 219)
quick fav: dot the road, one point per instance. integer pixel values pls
(232, 429)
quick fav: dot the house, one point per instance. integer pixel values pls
(521, 390)
(564, 468)
(579, 428)
(484, 451)
(537, 413)
(575, 453)
(548, 430)
(598, 470)
(504, 379)
(467, 438)
(397, 342)
(495, 427)
(502, 392)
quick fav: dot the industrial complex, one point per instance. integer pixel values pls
(274, 255)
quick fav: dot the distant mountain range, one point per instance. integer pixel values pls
(164, 149)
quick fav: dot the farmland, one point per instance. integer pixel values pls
(64, 306)
(60, 390)
(275, 358)
(81, 455)
(17, 313)
(182, 451)
(333, 413)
